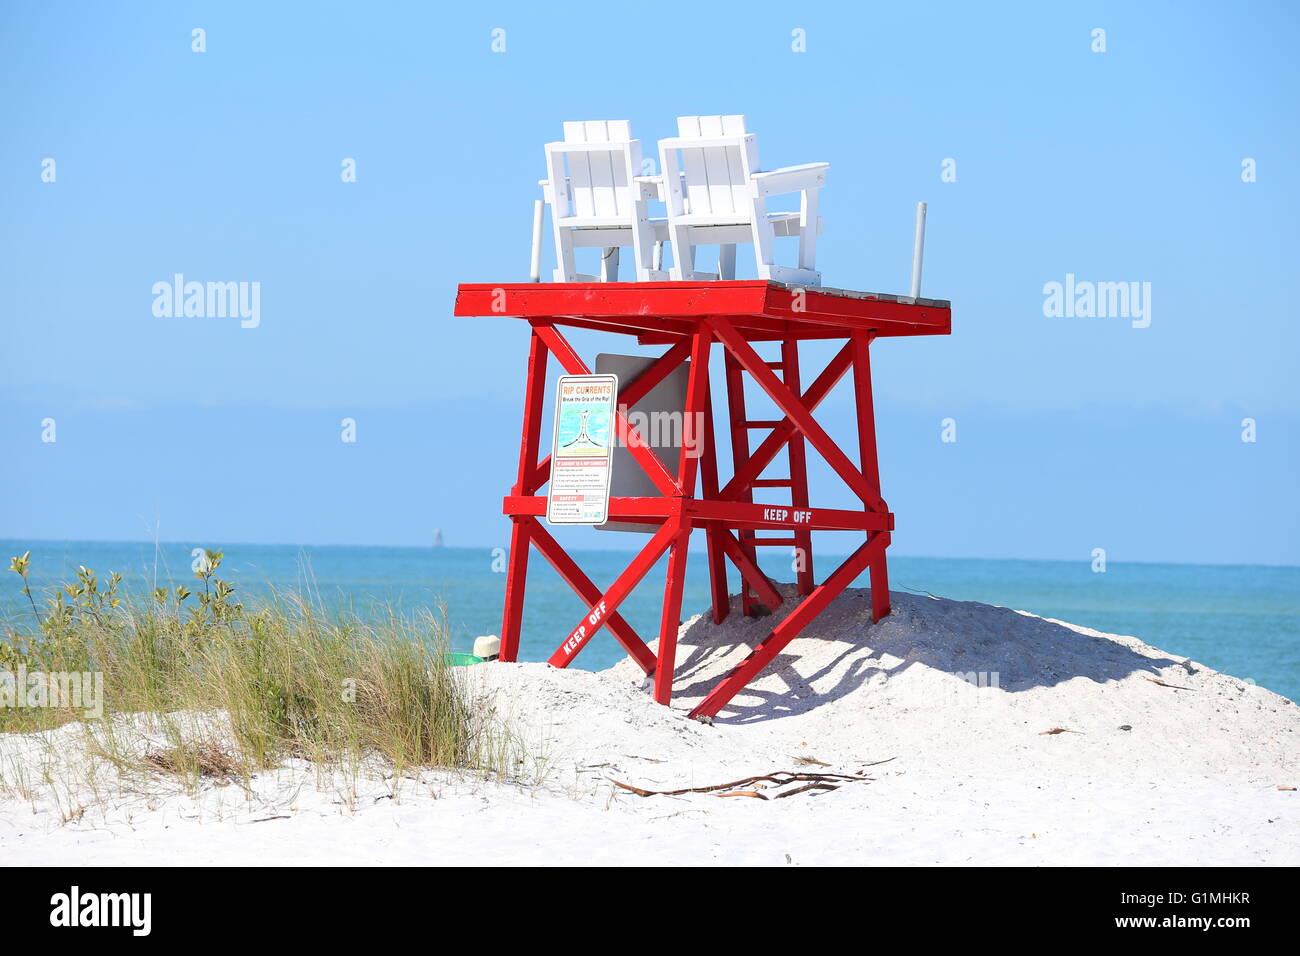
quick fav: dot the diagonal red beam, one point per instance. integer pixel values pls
(599, 611)
(629, 436)
(771, 446)
(796, 411)
(628, 395)
(750, 571)
(582, 585)
(789, 629)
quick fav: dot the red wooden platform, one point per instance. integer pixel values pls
(689, 317)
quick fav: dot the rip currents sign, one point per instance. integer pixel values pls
(582, 450)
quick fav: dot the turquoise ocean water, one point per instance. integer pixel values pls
(1242, 619)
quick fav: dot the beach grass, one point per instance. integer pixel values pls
(231, 690)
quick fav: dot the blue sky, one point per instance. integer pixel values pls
(1073, 433)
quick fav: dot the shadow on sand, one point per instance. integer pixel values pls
(989, 646)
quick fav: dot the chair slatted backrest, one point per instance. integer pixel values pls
(717, 174)
(598, 178)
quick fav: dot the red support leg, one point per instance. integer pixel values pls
(688, 462)
(670, 620)
(517, 565)
(880, 581)
(788, 629)
(798, 471)
(713, 531)
(739, 459)
(516, 577)
(861, 342)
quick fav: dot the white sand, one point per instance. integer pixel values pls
(972, 776)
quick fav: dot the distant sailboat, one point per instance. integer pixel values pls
(437, 537)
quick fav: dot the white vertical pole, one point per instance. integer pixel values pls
(918, 250)
(535, 275)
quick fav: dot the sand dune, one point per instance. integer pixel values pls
(944, 707)
(959, 683)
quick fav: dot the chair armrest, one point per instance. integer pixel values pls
(652, 187)
(599, 146)
(790, 179)
(564, 187)
(659, 185)
(707, 142)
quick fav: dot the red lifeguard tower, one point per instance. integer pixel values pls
(689, 318)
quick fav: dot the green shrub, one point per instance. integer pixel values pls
(291, 679)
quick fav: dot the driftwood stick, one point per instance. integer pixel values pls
(781, 778)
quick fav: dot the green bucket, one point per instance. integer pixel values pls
(459, 659)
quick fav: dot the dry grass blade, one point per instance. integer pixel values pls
(1171, 686)
(1059, 730)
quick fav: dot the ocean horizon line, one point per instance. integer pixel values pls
(191, 543)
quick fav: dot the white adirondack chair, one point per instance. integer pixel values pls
(717, 194)
(598, 198)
